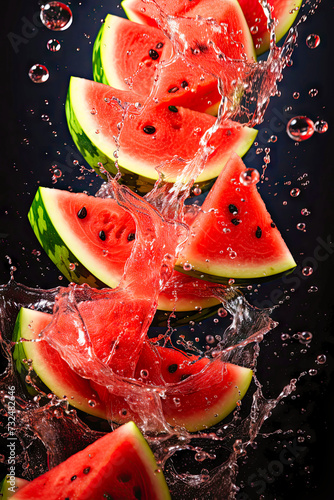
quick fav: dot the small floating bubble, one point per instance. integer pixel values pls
(38, 73)
(321, 126)
(321, 359)
(56, 16)
(312, 289)
(305, 212)
(187, 266)
(313, 41)
(222, 312)
(300, 128)
(197, 191)
(295, 192)
(307, 271)
(249, 176)
(296, 95)
(53, 45)
(210, 339)
(305, 337)
(313, 92)
(301, 226)
(312, 372)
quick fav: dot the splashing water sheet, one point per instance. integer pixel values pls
(276, 444)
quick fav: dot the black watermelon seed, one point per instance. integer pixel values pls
(137, 492)
(236, 221)
(159, 45)
(258, 232)
(131, 236)
(173, 90)
(124, 478)
(153, 54)
(73, 477)
(184, 376)
(273, 224)
(102, 235)
(86, 470)
(82, 213)
(233, 209)
(149, 129)
(184, 84)
(172, 368)
(67, 498)
(173, 109)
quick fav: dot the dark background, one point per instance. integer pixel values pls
(32, 146)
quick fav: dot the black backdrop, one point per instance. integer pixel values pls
(32, 144)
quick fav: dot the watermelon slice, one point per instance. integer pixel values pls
(128, 55)
(284, 13)
(147, 135)
(233, 238)
(68, 226)
(118, 465)
(185, 381)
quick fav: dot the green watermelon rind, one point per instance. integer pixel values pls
(59, 244)
(86, 141)
(5, 484)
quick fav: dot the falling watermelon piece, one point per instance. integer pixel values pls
(184, 381)
(233, 238)
(284, 13)
(117, 465)
(131, 56)
(90, 239)
(105, 122)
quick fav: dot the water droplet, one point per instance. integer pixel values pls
(56, 16)
(313, 92)
(312, 372)
(307, 271)
(209, 339)
(222, 312)
(321, 359)
(249, 176)
(92, 403)
(38, 73)
(321, 126)
(305, 212)
(313, 41)
(187, 266)
(285, 336)
(305, 337)
(197, 191)
(200, 456)
(144, 373)
(72, 266)
(301, 226)
(295, 192)
(177, 401)
(312, 289)
(300, 128)
(57, 173)
(273, 138)
(296, 95)
(53, 45)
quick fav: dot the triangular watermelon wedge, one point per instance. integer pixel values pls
(233, 238)
(118, 465)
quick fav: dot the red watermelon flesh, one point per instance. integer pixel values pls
(180, 383)
(233, 235)
(149, 12)
(118, 465)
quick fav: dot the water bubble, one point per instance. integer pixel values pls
(53, 45)
(57, 173)
(313, 41)
(210, 339)
(312, 372)
(312, 289)
(249, 176)
(301, 226)
(300, 128)
(187, 266)
(296, 95)
(200, 456)
(305, 337)
(38, 73)
(56, 16)
(197, 191)
(222, 312)
(295, 192)
(321, 359)
(144, 373)
(307, 270)
(313, 92)
(177, 401)
(92, 403)
(321, 126)
(72, 266)
(305, 211)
